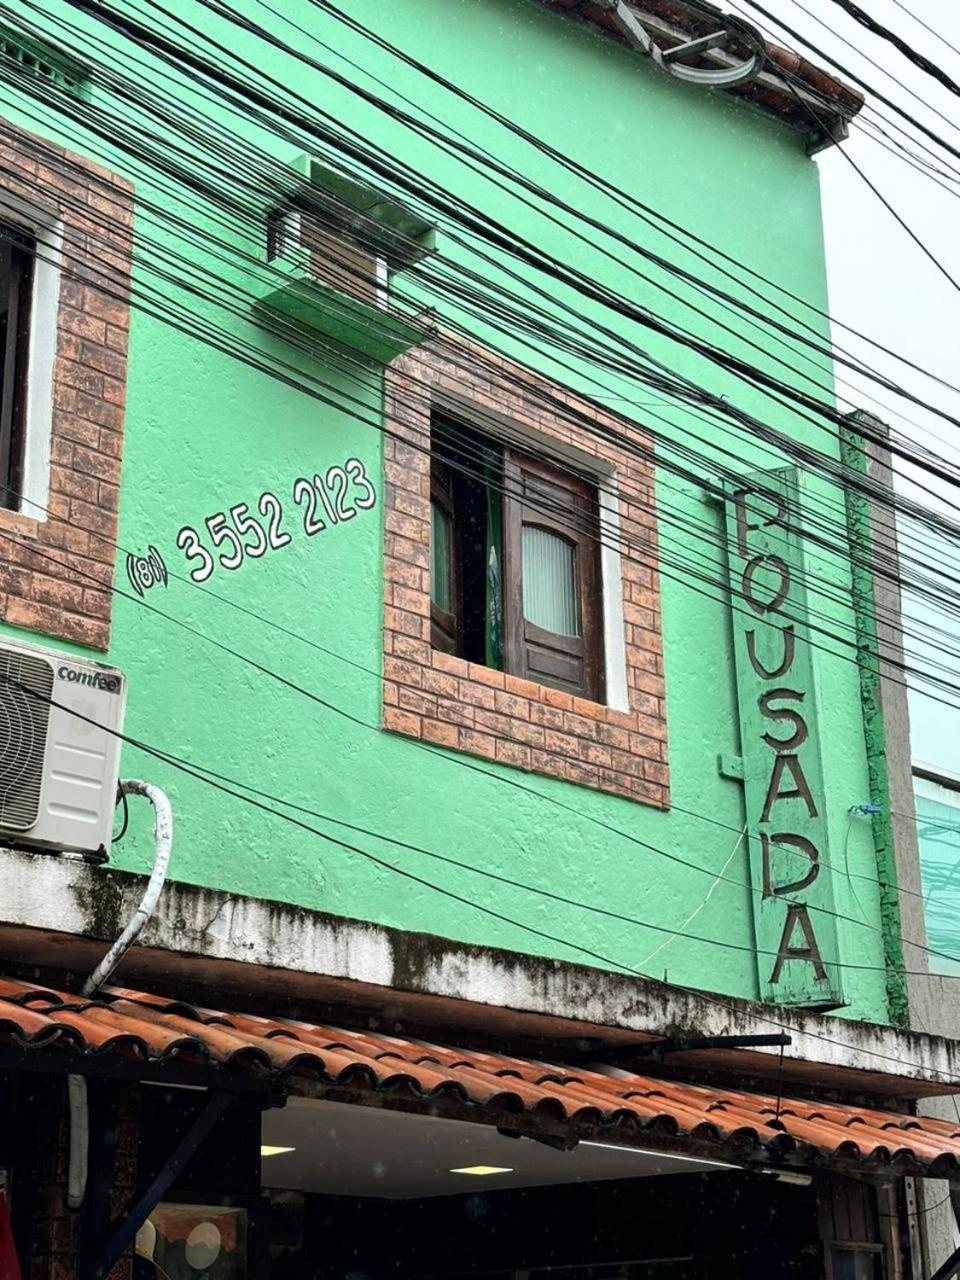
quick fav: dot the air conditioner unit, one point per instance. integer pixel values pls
(58, 758)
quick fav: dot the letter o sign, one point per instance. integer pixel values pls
(749, 588)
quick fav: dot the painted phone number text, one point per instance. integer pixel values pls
(335, 497)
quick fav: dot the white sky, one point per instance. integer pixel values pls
(882, 283)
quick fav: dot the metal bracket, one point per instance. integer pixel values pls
(731, 30)
(96, 1263)
(717, 40)
(730, 766)
(592, 1051)
(567, 1143)
(646, 1049)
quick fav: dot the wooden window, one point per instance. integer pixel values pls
(60, 449)
(343, 262)
(850, 1229)
(551, 578)
(515, 574)
(343, 258)
(16, 285)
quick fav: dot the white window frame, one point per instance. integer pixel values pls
(46, 228)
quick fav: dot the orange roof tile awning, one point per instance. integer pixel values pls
(147, 1034)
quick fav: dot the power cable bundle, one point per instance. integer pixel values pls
(235, 202)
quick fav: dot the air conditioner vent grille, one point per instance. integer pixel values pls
(39, 61)
(24, 718)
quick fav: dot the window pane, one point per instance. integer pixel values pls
(441, 589)
(851, 1265)
(549, 581)
(16, 273)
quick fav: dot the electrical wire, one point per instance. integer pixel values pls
(212, 781)
(878, 66)
(844, 71)
(925, 64)
(865, 119)
(652, 217)
(554, 265)
(557, 270)
(681, 932)
(327, 705)
(122, 799)
(649, 215)
(938, 36)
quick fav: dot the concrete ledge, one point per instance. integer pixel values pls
(56, 916)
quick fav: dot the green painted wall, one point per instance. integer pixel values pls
(204, 432)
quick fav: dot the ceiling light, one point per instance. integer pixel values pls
(481, 1170)
(276, 1151)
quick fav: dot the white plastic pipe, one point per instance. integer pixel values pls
(163, 838)
(77, 1085)
(79, 1142)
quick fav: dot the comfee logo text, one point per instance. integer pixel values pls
(92, 679)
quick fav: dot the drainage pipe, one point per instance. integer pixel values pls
(77, 1085)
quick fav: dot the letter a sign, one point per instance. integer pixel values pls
(790, 863)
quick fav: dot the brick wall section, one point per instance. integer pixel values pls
(445, 700)
(52, 1245)
(56, 572)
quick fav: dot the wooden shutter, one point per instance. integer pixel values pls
(338, 257)
(446, 624)
(540, 497)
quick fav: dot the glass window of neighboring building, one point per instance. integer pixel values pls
(937, 801)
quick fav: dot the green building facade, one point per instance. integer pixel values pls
(573, 242)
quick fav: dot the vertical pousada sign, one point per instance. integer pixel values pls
(796, 933)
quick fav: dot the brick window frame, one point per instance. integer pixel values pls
(443, 699)
(57, 553)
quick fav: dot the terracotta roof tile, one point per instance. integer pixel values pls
(155, 1029)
